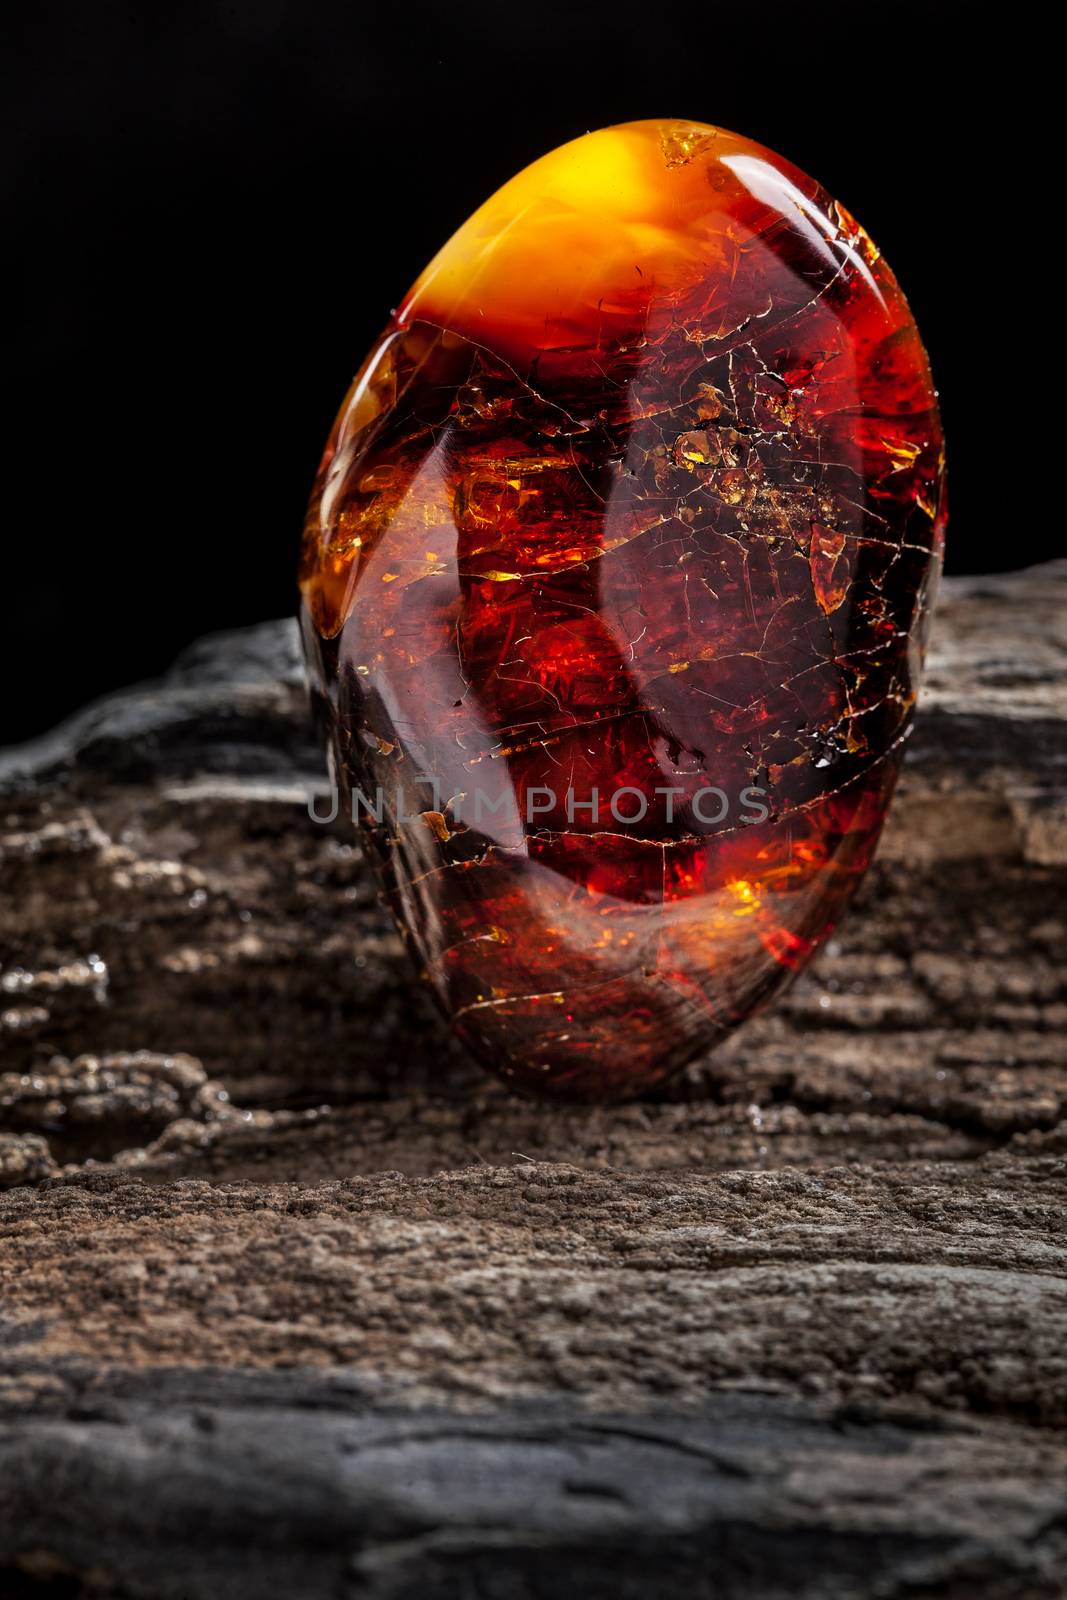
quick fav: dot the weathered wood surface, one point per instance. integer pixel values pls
(295, 1302)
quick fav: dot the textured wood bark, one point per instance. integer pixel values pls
(294, 1301)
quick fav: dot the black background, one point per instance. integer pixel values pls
(217, 205)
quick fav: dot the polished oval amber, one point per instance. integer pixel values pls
(615, 581)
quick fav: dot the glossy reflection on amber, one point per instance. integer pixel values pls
(615, 581)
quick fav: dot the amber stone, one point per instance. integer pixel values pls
(615, 581)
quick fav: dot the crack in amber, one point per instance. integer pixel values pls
(642, 488)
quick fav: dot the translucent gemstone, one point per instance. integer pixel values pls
(615, 581)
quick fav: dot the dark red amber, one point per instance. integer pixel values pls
(615, 582)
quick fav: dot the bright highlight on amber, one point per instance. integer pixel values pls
(639, 493)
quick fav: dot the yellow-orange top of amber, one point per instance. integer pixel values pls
(616, 233)
(639, 495)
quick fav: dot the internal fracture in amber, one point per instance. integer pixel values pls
(615, 578)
